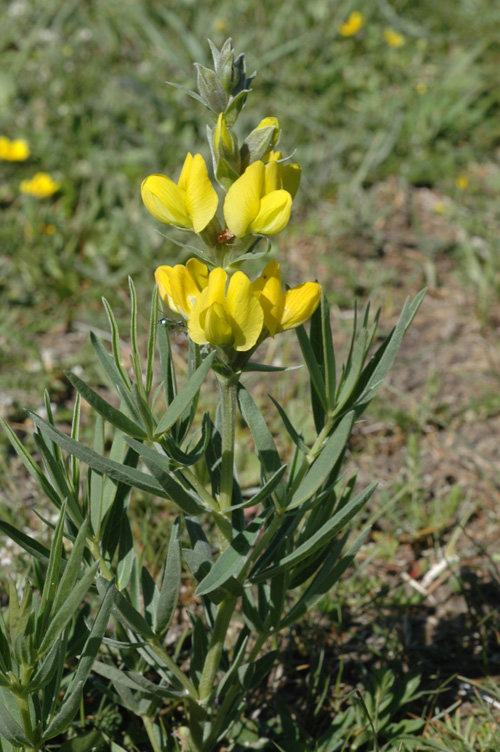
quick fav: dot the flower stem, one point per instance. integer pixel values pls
(228, 387)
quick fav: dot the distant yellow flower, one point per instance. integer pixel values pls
(421, 87)
(394, 38)
(354, 23)
(179, 286)
(189, 204)
(284, 310)
(41, 185)
(260, 201)
(14, 151)
(226, 318)
(462, 182)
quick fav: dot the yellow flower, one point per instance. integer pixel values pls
(179, 286)
(353, 24)
(41, 185)
(284, 310)
(14, 151)
(462, 182)
(190, 204)
(231, 318)
(260, 201)
(421, 87)
(394, 38)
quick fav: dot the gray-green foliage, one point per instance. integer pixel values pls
(268, 573)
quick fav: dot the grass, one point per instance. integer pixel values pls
(399, 148)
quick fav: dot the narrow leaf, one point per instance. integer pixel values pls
(184, 397)
(108, 412)
(171, 583)
(320, 537)
(324, 463)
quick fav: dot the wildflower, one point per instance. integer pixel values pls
(231, 318)
(462, 182)
(190, 204)
(260, 201)
(14, 151)
(40, 185)
(179, 286)
(421, 87)
(284, 310)
(394, 38)
(353, 24)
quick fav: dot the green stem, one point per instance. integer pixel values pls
(212, 661)
(228, 387)
(24, 712)
(148, 725)
(172, 666)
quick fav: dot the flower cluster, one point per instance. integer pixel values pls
(14, 151)
(234, 312)
(41, 185)
(221, 306)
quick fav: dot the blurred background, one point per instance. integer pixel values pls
(392, 109)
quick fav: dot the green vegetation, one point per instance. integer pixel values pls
(401, 177)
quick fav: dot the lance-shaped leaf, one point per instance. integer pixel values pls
(116, 470)
(60, 618)
(31, 546)
(108, 412)
(171, 583)
(264, 442)
(135, 681)
(231, 561)
(184, 397)
(320, 537)
(72, 699)
(9, 727)
(329, 574)
(381, 362)
(324, 463)
(355, 365)
(320, 336)
(318, 389)
(121, 385)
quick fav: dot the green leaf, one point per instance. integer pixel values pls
(153, 326)
(324, 463)
(31, 466)
(115, 375)
(329, 574)
(231, 561)
(377, 369)
(167, 366)
(115, 470)
(171, 583)
(173, 490)
(355, 365)
(322, 344)
(10, 729)
(133, 618)
(184, 397)
(72, 699)
(318, 389)
(47, 668)
(51, 577)
(115, 343)
(135, 681)
(267, 489)
(320, 537)
(296, 438)
(108, 412)
(126, 554)
(264, 442)
(60, 618)
(31, 546)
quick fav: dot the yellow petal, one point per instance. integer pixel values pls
(162, 278)
(198, 271)
(201, 198)
(274, 214)
(213, 293)
(242, 202)
(217, 326)
(290, 176)
(300, 304)
(184, 176)
(272, 301)
(165, 201)
(247, 316)
(273, 177)
(271, 269)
